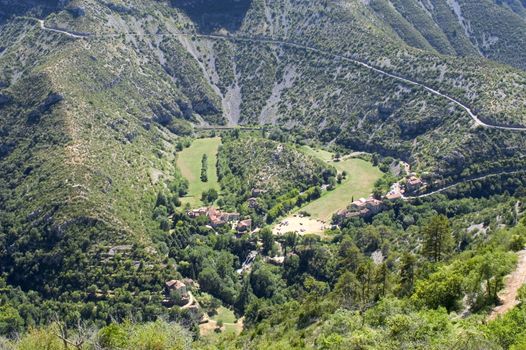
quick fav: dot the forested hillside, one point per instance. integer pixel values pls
(99, 98)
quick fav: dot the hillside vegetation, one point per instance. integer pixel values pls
(97, 97)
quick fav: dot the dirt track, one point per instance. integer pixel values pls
(508, 295)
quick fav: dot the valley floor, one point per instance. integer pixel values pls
(361, 176)
(189, 162)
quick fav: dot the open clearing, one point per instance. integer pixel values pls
(225, 315)
(189, 162)
(361, 176)
(301, 225)
(230, 323)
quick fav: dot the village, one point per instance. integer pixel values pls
(367, 207)
(218, 218)
(178, 293)
(410, 184)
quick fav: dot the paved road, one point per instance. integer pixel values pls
(61, 31)
(514, 172)
(222, 127)
(473, 116)
(263, 40)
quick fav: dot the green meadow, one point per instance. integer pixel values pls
(189, 163)
(361, 176)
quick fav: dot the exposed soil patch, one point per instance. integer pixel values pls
(302, 225)
(508, 295)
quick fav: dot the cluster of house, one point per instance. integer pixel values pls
(362, 208)
(396, 192)
(414, 184)
(218, 218)
(371, 206)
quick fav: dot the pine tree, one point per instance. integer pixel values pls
(438, 240)
(407, 273)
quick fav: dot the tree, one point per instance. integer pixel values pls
(165, 224)
(113, 336)
(438, 240)
(377, 193)
(332, 183)
(263, 281)
(161, 199)
(209, 196)
(204, 168)
(10, 320)
(245, 295)
(349, 254)
(407, 273)
(375, 159)
(442, 288)
(381, 278)
(364, 277)
(268, 239)
(346, 290)
(290, 241)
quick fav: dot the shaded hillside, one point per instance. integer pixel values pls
(209, 15)
(8, 9)
(88, 139)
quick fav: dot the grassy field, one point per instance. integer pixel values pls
(359, 183)
(225, 315)
(189, 162)
(320, 154)
(230, 324)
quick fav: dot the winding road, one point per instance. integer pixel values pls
(263, 40)
(516, 279)
(60, 31)
(468, 110)
(443, 189)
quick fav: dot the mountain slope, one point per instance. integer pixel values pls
(89, 126)
(491, 29)
(82, 148)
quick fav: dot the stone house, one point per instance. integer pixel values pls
(244, 226)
